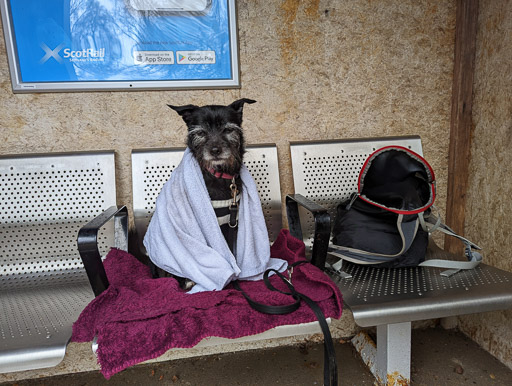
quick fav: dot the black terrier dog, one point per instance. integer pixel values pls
(216, 140)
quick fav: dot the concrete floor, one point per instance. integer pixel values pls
(439, 357)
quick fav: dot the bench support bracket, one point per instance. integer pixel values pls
(390, 359)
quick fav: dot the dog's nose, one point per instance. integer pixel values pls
(215, 151)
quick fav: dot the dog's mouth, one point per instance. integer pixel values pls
(221, 162)
(218, 162)
(217, 155)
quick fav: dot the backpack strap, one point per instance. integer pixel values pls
(453, 266)
(407, 231)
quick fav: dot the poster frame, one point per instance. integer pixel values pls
(20, 86)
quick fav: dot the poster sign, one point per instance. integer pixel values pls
(72, 45)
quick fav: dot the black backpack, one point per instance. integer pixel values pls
(388, 221)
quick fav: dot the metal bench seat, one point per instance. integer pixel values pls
(44, 200)
(390, 299)
(151, 168)
(385, 296)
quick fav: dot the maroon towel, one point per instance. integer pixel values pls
(139, 318)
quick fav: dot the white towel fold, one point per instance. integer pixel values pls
(184, 237)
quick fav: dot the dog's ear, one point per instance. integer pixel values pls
(185, 111)
(238, 105)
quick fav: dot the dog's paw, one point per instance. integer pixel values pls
(188, 284)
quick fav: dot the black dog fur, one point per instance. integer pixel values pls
(216, 140)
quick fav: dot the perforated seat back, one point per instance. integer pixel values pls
(44, 200)
(152, 168)
(327, 172)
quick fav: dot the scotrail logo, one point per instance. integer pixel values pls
(88, 54)
(49, 53)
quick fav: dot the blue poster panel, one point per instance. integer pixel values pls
(60, 45)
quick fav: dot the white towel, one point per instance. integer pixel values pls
(184, 237)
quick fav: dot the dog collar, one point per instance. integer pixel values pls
(226, 176)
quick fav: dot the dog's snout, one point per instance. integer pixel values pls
(215, 151)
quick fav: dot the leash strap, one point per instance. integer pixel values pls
(330, 365)
(233, 218)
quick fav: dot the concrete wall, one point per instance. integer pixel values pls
(489, 208)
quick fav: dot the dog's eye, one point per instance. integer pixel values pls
(229, 129)
(198, 132)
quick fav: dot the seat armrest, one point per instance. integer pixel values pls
(88, 244)
(322, 225)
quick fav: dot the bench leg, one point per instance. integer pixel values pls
(389, 360)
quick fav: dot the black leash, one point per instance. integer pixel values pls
(330, 365)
